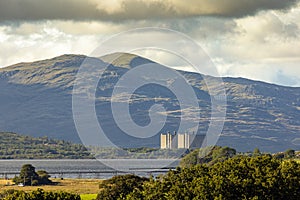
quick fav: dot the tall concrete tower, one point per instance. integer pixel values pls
(181, 141)
(163, 141)
(168, 141)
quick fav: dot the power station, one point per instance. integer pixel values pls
(180, 140)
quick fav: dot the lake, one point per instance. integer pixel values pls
(89, 168)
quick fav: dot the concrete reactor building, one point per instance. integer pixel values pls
(180, 141)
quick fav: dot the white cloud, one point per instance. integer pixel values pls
(46, 41)
(261, 47)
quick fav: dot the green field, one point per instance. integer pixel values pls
(88, 196)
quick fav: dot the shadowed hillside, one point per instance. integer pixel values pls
(36, 99)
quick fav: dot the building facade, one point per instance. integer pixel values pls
(168, 141)
(180, 140)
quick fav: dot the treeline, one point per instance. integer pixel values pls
(135, 153)
(15, 146)
(219, 174)
(212, 155)
(39, 194)
(203, 155)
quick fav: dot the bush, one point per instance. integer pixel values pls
(39, 194)
(119, 186)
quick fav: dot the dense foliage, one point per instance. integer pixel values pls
(39, 194)
(135, 153)
(239, 177)
(212, 155)
(119, 186)
(15, 146)
(209, 155)
(28, 176)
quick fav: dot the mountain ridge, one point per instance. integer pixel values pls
(36, 100)
(105, 58)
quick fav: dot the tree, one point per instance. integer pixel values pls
(256, 152)
(28, 176)
(290, 153)
(224, 153)
(43, 177)
(190, 159)
(208, 155)
(240, 177)
(119, 186)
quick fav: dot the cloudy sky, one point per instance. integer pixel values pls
(256, 39)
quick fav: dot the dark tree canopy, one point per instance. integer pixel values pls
(119, 186)
(228, 177)
(290, 153)
(28, 176)
(240, 178)
(207, 155)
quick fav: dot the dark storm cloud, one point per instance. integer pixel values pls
(79, 10)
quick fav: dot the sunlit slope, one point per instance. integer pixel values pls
(36, 99)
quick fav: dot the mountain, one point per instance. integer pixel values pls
(36, 100)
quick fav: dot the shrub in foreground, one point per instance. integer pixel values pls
(119, 186)
(39, 194)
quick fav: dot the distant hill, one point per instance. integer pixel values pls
(15, 146)
(36, 100)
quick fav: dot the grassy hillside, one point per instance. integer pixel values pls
(36, 99)
(15, 146)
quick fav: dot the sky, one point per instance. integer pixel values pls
(255, 39)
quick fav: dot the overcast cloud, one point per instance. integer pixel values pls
(256, 39)
(119, 10)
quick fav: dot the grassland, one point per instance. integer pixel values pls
(88, 196)
(87, 188)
